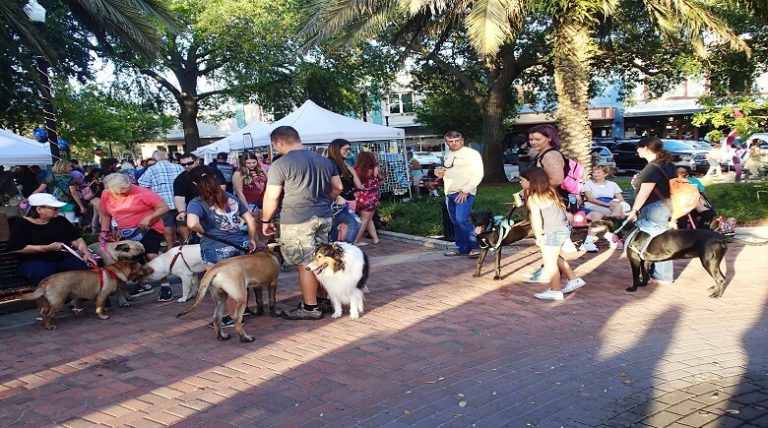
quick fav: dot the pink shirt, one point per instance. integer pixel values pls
(130, 209)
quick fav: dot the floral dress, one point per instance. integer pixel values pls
(368, 196)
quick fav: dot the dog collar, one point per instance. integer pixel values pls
(99, 272)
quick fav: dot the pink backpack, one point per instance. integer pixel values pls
(572, 174)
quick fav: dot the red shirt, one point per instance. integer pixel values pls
(130, 209)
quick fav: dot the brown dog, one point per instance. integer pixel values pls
(230, 278)
(53, 291)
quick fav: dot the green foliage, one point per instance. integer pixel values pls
(743, 114)
(90, 116)
(423, 217)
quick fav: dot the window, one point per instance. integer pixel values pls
(407, 102)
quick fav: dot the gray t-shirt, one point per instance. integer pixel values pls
(306, 180)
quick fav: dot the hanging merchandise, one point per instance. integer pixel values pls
(396, 173)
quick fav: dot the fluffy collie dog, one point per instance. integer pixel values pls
(342, 269)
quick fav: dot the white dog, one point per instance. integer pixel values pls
(342, 269)
(188, 266)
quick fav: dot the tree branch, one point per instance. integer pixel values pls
(162, 81)
(468, 83)
(208, 94)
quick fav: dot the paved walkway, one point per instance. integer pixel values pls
(435, 347)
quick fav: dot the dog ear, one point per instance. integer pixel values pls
(122, 247)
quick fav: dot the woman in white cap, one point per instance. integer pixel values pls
(39, 238)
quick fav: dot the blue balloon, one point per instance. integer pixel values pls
(63, 144)
(41, 135)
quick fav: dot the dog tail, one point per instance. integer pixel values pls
(204, 283)
(364, 277)
(731, 239)
(38, 293)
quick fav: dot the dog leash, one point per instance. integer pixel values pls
(76, 254)
(243, 246)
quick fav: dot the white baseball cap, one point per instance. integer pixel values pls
(44, 200)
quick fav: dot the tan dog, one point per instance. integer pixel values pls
(231, 278)
(53, 291)
(111, 252)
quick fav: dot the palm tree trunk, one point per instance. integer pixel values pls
(573, 54)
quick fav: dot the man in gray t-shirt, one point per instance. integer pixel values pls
(307, 183)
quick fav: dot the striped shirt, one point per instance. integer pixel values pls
(159, 177)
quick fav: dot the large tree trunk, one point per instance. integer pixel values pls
(493, 140)
(189, 109)
(573, 54)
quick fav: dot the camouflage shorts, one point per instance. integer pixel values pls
(298, 240)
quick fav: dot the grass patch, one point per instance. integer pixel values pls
(423, 217)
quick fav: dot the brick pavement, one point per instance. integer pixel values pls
(435, 347)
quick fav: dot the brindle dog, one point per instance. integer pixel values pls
(488, 231)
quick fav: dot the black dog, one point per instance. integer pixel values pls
(488, 231)
(707, 245)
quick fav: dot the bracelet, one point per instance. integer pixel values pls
(266, 221)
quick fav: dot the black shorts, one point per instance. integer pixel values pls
(151, 241)
(169, 218)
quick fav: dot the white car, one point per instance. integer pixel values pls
(428, 158)
(606, 157)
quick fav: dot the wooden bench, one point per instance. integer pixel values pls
(11, 282)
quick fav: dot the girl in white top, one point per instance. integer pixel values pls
(551, 229)
(603, 197)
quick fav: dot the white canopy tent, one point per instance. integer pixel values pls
(315, 125)
(18, 150)
(224, 145)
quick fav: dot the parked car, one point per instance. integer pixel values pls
(608, 144)
(626, 157)
(427, 159)
(606, 157)
(699, 145)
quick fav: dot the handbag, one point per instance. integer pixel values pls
(131, 234)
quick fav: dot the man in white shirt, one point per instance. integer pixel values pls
(463, 173)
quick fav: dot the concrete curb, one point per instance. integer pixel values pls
(435, 243)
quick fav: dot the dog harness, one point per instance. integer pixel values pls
(504, 225)
(99, 272)
(176, 256)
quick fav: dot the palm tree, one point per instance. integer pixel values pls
(132, 22)
(493, 27)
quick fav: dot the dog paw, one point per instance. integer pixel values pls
(124, 304)
(631, 289)
(224, 336)
(182, 299)
(247, 339)
(365, 289)
(354, 315)
(496, 277)
(51, 327)
(103, 317)
(475, 275)
(336, 315)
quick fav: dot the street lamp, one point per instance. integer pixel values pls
(36, 14)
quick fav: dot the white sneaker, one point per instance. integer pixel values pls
(535, 277)
(589, 247)
(569, 247)
(549, 295)
(573, 285)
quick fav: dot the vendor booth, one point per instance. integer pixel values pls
(318, 127)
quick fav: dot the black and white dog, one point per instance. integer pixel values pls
(342, 269)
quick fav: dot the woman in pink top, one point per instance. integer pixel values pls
(138, 213)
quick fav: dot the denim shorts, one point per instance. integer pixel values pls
(556, 238)
(212, 256)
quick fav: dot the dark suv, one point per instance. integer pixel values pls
(626, 157)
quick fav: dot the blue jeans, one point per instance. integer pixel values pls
(345, 216)
(463, 230)
(37, 270)
(654, 220)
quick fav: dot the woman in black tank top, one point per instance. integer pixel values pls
(344, 206)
